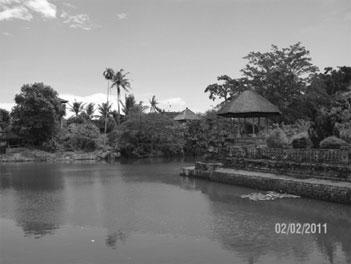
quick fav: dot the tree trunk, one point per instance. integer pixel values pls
(108, 87)
(118, 107)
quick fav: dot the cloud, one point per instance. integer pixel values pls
(347, 16)
(172, 104)
(7, 106)
(24, 9)
(7, 34)
(81, 21)
(43, 7)
(16, 13)
(122, 16)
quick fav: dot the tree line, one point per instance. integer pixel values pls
(288, 78)
(285, 76)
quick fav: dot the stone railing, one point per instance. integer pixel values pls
(325, 156)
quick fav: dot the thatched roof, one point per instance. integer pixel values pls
(186, 115)
(249, 104)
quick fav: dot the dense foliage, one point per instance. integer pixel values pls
(277, 139)
(37, 113)
(333, 143)
(4, 118)
(148, 135)
(315, 106)
(84, 136)
(209, 132)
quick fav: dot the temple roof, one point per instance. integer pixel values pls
(187, 114)
(248, 104)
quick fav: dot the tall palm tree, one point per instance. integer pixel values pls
(108, 74)
(120, 81)
(77, 107)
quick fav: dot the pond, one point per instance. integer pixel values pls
(143, 212)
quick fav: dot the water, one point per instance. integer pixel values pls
(143, 212)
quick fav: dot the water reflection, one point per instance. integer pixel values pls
(252, 234)
(121, 205)
(35, 199)
(115, 237)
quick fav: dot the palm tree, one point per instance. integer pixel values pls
(77, 107)
(120, 81)
(104, 110)
(108, 74)
(153, 104)
(90, 109)
(129, 104)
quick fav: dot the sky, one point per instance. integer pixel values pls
(172, 48)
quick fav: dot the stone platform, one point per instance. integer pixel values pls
(327, 190)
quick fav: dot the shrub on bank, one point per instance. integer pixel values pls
(85, 136)
(277, 139)
(148, 135)
(344, 130)
(301, 141)
(210, 132)
(333, 143)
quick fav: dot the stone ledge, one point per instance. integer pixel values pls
(326, 190)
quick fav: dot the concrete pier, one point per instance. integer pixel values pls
(327, 190)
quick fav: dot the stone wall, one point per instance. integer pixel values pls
(296, 169)
(325, 156)
(322, 189)
(301, 163)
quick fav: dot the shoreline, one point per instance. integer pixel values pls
(326, 190)
(35, 155)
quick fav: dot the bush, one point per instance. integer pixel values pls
(301, 140)
(344, 130)
(76, 120)
(210, 132)
(277, 139)
(332, 143)
(52, 145)
(148, 135)
(81, 137)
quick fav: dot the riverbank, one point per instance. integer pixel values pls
(327, 190)
(32, 155)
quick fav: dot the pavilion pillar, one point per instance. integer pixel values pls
(258, 125)
(267, 125)
(245, 125)
(253, 126)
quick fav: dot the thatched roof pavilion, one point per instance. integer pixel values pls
(186, 115)
(249, 104)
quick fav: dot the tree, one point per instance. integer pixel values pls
(153, 105)
(108, 74)
(120, 81)
(4, 118)
(336, 80)
(281, 75)
(37, 113)
(327, 103)
(129, 104)
(104, 110)
(106, 122)
(77, 107)
(90, 109)
(227, 89)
